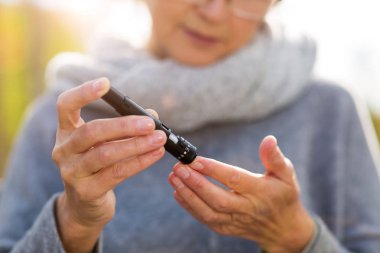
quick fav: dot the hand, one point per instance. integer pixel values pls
(93, 158)
(263, 208)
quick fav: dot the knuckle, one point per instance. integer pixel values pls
(265, 208)
(291, 196)
(61, 101)
(243, 219)
(199, 184)
(104, 154)
(87, 131)
(56, 154)
(65, 167)
(139, 144)
(235, 180)
(221, 204)
(190, 196)
(86, 161)
(223, 229)
(141, 162)
(75, 140)
(97, 126)
(209, 218)
(264, 211)
(68, 172)
(124, 123)
(119, 171)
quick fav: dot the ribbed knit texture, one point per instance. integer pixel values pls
(250, 84)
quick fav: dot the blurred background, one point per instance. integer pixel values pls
(33, 31)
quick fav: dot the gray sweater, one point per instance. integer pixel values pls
(321, 132)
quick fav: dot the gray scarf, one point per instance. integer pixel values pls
(254, 82)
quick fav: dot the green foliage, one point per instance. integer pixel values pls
(29, 38)
(376, 121)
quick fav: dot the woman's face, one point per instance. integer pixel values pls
(200, 34)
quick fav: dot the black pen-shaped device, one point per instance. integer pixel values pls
(176, 145)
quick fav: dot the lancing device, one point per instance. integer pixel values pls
(176, 145)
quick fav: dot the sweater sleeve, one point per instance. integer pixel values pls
(43, 236)
(360, 182)
(322, 241)
(27, 221)
(356, 227)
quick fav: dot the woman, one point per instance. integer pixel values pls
(222, 77)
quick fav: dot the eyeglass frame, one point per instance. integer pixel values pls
(244, 14)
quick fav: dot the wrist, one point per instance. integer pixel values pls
(299, 232)
(294, 234)
(76, 236)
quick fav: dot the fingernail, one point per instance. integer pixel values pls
(157, 152)
(182, 172)
(273, 139)
(177, 183)
(98, 85)
(145, 124)
(197, 166)
(158, 137)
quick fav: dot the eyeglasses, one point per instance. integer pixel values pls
(240, 8)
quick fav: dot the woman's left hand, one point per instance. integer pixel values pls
(263, 208)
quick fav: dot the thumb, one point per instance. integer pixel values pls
(274, 161)
(70, 102)
(153, 113)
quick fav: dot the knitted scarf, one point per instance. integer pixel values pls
(255, 81)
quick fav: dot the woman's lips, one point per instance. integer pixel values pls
(200, 38)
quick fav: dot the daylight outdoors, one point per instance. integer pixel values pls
(33, 31)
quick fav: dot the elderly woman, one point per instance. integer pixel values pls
(219, 74)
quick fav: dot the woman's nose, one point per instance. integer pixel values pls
(215, 10)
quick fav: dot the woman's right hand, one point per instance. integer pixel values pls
(93, 158)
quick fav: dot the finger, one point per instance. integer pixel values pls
(214, 196)
(107, 154)
(187, 207)
(274, 161)
(224, 224)
(102, 130)
(70, 102)
(194, 205)
(181, 201)
(235, 178)
(153, 113)
(108, 178)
